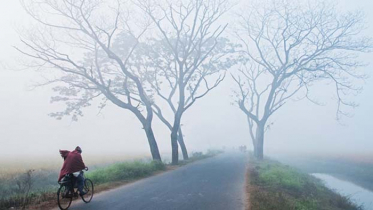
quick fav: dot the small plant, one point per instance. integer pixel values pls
(212, 152)
(24, 184)
(158, 165)
(197, 154)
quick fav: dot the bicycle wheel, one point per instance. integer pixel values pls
(88, 187)
(63, 200)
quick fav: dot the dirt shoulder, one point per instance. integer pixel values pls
(248, 189)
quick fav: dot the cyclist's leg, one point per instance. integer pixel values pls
(80, 183)
(70, 185)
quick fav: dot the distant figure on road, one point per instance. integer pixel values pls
(73, 164)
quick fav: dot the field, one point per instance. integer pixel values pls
(357, 169)
(274, 186)
(35, 183)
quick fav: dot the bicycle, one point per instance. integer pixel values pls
(68, 190)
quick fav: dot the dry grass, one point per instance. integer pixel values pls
(10, 167)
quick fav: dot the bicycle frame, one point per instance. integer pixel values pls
(70, 181)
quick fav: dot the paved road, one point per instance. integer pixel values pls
(215, 183)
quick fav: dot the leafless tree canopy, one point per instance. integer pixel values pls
(76, 38)
(188, 54)
(289, 46)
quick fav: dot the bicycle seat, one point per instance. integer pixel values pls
(66, 179)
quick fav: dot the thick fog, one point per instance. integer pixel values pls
(26, 130)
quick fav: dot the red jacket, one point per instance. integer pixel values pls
(73, 163)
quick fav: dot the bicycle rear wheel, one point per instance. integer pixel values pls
(63, 198)
(88, 188)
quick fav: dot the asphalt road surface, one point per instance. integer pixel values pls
(216, 183)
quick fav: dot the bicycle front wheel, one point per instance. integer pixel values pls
(63, 197)
(88, 188)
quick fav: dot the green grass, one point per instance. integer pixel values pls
(125, 171)
(356, 171)
(274, 186)
(278, 175)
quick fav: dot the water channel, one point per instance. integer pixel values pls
(356, 193)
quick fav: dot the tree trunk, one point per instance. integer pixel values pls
(174, 146)
(182, 145)
(152, 143)
(174, 138)
(254, 146)
(259, 142)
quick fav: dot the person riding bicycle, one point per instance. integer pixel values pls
(73, 164)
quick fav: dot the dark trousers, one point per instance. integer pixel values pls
(80, 182)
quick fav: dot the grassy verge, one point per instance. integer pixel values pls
(126, 171)
(104, 178)
(273, 186)
(359, 172)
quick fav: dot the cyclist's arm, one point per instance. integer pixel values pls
(64, 153)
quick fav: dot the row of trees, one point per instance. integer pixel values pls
(160, 57)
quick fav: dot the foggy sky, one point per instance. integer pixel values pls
(27, 130)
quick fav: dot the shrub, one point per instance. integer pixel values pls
(197, 154)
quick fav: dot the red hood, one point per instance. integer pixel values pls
(73, 163)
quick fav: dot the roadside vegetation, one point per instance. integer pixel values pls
(36, 189)
(125, 171)
(355, 169)
(274, 186)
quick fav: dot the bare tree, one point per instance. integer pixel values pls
(289, 46)
(146, 63)
(190, 55)
(75, 40)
